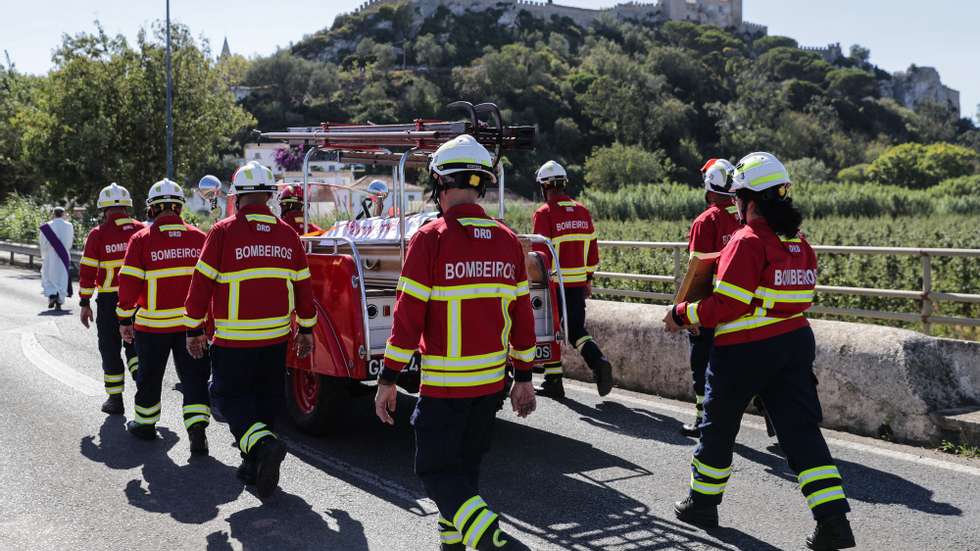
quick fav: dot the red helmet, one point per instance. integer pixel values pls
(291, 194)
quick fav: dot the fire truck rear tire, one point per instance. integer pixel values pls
(315, 402)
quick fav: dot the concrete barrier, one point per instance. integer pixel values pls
(874, 380)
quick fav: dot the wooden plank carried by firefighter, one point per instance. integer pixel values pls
(697, 283)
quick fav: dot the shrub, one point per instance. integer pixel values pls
(856, 174)
(918, 166)
(609, 168)
(20, 218)
(808, 169)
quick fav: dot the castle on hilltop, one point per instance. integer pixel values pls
(723, 13)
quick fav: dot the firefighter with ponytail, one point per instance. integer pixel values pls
(463, 301)
(153, 284)
(763, 345)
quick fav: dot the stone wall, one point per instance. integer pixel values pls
(873, 379)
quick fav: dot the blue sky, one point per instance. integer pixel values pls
(939, 33)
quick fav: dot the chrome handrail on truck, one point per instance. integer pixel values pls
(540, 239)
(310, 240)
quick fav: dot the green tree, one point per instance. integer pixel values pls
(19, 111)
(899, 165)
(856, 174)
(766, 43)
(289, 91)
(784, 63)
(105, 114)
(860, 55)
(851, 83)
(808, 169)
(611, 168)
(942, 161)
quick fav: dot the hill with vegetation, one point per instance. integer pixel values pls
(619, 103)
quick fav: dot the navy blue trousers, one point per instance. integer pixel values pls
(111, 344)
(154, 350)
(700, 354)
(780, 371)
(451, 437)
(248, 389)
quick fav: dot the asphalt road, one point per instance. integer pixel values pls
(585, 474)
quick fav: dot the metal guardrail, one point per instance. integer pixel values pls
(30, 251)
(926, 297)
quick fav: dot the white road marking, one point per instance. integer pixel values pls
(55, 368)
(856, 446)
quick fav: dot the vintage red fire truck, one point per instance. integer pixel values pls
(356, 263)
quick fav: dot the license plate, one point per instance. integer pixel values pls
(542, 352)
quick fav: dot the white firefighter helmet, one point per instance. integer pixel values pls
(253, 177)
(716, 173)
(758, 172)
(463, 154)
(378, 188)
(114, 195)
(165, 191)
(551, 173)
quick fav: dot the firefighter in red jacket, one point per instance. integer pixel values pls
(462, 300)
(569, 226)
(154, 279)
(251, 254)
(709, 234)
(291, 210)
(763, 346)
(105, 248)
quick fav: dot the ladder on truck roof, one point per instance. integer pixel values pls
(372, 143)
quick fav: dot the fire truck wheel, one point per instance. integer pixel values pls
(315, 401)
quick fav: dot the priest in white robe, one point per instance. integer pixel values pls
(55, 238)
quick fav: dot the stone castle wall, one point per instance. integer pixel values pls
(723, 13)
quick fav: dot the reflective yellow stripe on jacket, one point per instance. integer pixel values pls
(754, 320)
(575, 274)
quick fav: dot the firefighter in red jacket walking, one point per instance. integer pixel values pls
(709, 234)
(105, 248)
(291, 210)
(251, 254)
(462, 299)
(569, 226)
(154, 278)
(763, 346)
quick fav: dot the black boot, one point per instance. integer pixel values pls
(268, 458)
(551, 388)
(141, 431)
(52, 301)
(452, 547)
(198, 439)
(246, 472)
(699, 514)
(113, 405)
(692, 429)
(831, 533)
(603, 376)
(495, 538)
